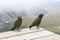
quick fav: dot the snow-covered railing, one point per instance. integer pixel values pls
(25, 34)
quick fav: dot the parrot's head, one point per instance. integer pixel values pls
(41, 15)
(19, 17)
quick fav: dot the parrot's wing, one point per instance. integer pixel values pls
(36, 22)
(15, 23)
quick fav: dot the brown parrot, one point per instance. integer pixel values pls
(37, 21)
(17, 23)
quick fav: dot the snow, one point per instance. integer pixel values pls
(25, 34)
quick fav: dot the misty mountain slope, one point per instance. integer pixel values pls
(11, 14)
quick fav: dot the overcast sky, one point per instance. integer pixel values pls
(5, 4)
(28, 4)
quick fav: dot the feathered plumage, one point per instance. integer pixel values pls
(37, 21)
(17, 23)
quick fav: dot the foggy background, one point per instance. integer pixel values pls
(10, 9)
(28, 9)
